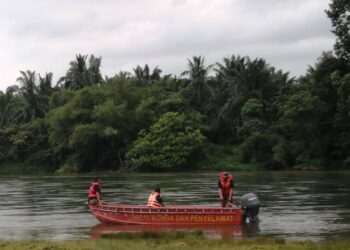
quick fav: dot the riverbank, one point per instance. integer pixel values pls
(225, 158)
(214, 158)
(175, 240)
(9, 168)
(216, 163)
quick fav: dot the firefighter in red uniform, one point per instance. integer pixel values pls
(154, 199)
(95, 196)
(226, 186)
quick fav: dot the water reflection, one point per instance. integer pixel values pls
(214, 231)
(296, 205)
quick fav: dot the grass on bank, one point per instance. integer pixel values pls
(169, 241)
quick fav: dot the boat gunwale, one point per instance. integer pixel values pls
(168, 207)
(142, 209)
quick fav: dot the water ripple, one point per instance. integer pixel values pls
(296, 205)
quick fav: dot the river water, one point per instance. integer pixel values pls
(295, 205)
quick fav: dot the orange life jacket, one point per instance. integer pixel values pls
(225, 184)
(152, 200)
(92, 193)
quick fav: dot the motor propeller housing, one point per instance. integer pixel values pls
(250, 204)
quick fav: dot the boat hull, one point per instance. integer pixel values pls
(171, 215)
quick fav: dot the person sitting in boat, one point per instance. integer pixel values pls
(95, 195)
(226, 186)
(155, 200)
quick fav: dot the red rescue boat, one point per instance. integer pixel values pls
(169, 215)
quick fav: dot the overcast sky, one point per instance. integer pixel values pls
(45, 35)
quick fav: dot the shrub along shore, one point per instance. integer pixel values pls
(169, 241)
(221, 160)
(216, 158)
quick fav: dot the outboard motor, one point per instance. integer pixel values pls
(250, 205)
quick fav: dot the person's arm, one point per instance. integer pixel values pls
(98, 195)
(220, 191)
(160, 200)
(230, 197)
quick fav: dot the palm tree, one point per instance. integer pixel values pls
(45, 90)
(81, 74)
(35, 95)
(45, 84)
(123, 75)
(93, 74)
(139, 74)
(242, 79)
(242, 76)
(29, 90)
(256, 79)
(228, 75)
(156, 74)
(12, 107)
(144, 75)
(198, 76)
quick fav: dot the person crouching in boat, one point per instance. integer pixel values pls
(226, 186)
(95, 195)
(154, 199)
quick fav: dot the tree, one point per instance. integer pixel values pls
(82, 73)
(92, 127)
(241, 79)
(45, 85)
(252, 114)
(122, 75)
(169, 143)
(257, 138)
(144, 75)
(12, 107)
(198, 73)
(339, 13)
(36, 95)
(29, 143)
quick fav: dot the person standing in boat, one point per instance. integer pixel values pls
(95, 195)
(226, 186)
(155, 200)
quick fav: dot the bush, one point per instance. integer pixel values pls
(67, 169)
(169, 144)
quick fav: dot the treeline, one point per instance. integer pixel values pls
(145, 120)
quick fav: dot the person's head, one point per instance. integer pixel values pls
(157, 189)
(226, 175)
(97, 179)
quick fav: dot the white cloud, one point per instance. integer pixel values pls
(45, 35)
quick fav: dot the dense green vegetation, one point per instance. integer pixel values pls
(175, 240)
(238, 112)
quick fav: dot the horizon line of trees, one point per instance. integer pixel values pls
(144, 120)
